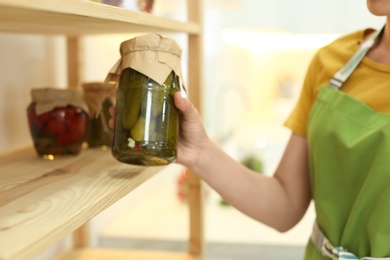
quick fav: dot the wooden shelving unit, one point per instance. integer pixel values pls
(78, 17)
(42, 201)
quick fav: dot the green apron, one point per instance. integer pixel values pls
(349, 160)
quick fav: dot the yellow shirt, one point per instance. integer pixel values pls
(369, 83)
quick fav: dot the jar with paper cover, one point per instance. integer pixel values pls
(146, 123)
(99, 97)
(58, 121)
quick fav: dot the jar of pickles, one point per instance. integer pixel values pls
(99, 98)
(58, 121)
(146, 124)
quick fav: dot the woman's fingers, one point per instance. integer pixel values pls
(111, 121)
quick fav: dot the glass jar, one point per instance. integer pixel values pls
(99, 98)
(146, 125)
(58, 122)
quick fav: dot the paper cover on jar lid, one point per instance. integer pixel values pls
(94, 95)
(49, 98)
(152, 55)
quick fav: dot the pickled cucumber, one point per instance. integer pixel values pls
(139, 130)
(173, 126)
(132, 106)
(173, 116)
(131, 83)
(158, 97)
(161, 129)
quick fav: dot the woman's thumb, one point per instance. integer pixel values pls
(180, 102)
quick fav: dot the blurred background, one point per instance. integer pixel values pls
(255, 57)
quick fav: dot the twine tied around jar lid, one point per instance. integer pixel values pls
(153, 55)
(94, 95)
(47, 99)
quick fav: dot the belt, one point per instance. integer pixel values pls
(325, 247)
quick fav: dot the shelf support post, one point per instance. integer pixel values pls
(75, 67)
(75, 61)
(195, 78)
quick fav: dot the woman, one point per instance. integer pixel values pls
(337, 154)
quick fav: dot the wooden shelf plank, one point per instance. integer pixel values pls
(42, 201)
(80, 17)
(109, 254)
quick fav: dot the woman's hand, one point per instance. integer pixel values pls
(193, 139)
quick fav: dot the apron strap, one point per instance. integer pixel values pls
(342, 75)
(326, 248)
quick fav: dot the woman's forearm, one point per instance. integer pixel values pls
(264, 198)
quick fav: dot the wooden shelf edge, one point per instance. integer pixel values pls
(80, 17)
(120, 254)
(42, 201)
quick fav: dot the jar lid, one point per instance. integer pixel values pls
(153, 55)
(49, 98)
(94, 95)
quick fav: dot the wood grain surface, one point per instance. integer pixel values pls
(80, 17)
(41, 201)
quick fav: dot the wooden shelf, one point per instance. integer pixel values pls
(41, 201)
(77, 17)
(117, 254)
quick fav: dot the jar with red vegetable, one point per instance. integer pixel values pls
(58, 121)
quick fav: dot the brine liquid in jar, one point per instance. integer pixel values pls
(146, 124)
